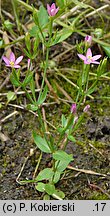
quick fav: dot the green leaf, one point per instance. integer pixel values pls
(41, 143)
(62, 35)
(61, 166)
(34, 31)
(59, 193)
(32, 87)
(92, 88)
(27, 53)
(71, 138)
(43, 96)
(62, 156)
(50, 189)
(56, 176)
(46, 197)
(60, 3)
(46, 173)
(107, 50)
(64, 121)
(32, 107)
(60, 130)
(42, 16)
(36, 44)
(28, 42)
(40, 187)
(14, 80)
(102, 67)
(27, 78)
(11, 96)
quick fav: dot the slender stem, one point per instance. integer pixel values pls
(45, 70)
(27, 6)
(28, 95)
(47, 55)
(15, 13)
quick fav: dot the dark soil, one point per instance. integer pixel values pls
(91, 150)
(94, 154)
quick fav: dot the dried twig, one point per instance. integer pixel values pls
(9, 116)
(86, 171)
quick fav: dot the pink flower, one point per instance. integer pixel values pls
(89, 59)
(52, 10)
(73, 108)
(86, 108)
(12, 62)
(29, 62)
(88, 39)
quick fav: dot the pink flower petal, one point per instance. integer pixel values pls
(89, 53)
(48, 8)
(57, 9)
(8, 65)
(82, 57)
(29, 61)
(96, 57)
(95, 62)
(12, 57)
(53, 6)
(18, 60)
(87, 62)
(6, 60)
(16, 66)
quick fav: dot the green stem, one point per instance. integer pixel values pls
(47, 55)
(28, 95)
(28, 7)
(16, 14)
(45, 70)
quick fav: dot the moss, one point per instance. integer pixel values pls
(98, 196)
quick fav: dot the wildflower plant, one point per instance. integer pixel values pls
(43, 33)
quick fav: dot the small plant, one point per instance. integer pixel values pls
(60, 159)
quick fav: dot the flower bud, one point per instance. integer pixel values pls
(86, 108)
(88, 39)
(73, 108)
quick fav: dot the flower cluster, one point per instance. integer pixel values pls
(88, 58)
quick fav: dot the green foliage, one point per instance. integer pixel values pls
(62, 35)
(71, 138)
(8, 25)
(59, 193)
(41, 143)
(28, 42)
(61, 165)
(41, 17)
(107, 50)
(32, 107)
(27, 79)
(102, 67)
(56, 177)
(31, 49)
(46, 197)
(11, 96)
(62, 156)
(46, 173)
(60, 3)
(40, 186)
(32, 88)
(49, 188)
(43, 95)
(64, 121)
(14, 77)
